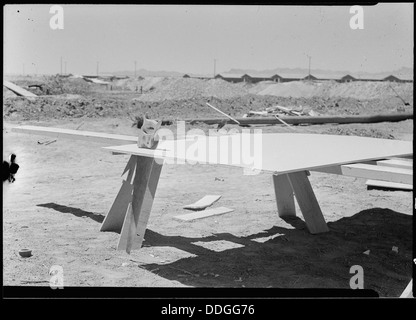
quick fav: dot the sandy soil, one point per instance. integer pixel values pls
(63, 190)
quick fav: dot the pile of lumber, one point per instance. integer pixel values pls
(279, 110)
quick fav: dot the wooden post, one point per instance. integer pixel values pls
(284, 196)
(144, 188)
(148, 201)
(114, 219)
(308, 204)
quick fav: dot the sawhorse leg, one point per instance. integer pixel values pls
(131, 209)
(290, 185)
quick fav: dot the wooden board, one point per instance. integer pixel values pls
(277, 152)
(404, 164)
(76, 134)
(203, 203)
(203, 214)
(18, 90)
(373, 172)
(389, 185)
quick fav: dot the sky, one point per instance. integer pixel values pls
(188, 38)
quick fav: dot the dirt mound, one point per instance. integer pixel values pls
(144, 84)
(295, 89)
(365, 90)
(54, 107)
(362, 132)
(188, 88)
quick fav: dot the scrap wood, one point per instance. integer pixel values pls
(47, 142)
(216, 109)
(204, 214)
(377, 184)
(258, 113)
(18, 90)
(203, 203)
(283, 122)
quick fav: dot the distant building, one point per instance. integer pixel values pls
(392, 78)
(248, 79)
(276, 78)
(347, 78)
(233, 78)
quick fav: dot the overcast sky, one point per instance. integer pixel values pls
(188, 38)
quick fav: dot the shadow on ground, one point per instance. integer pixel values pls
(294, 258)
(291, 258)
(75, 211)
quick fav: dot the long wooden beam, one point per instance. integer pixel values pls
(368, 171)
(76, 134)
(405, 164)
(390, 117)
(18, 90)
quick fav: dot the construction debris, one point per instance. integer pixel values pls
(203, 203)
(204, 214)
(18, 90)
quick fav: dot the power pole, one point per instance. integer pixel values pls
(215, 62)
(309, 75)
(65, 67)
(61, 65)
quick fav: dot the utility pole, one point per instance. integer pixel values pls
(309, 75)
(61, 65)
(215, 62)
(135, 70)
(65, 67)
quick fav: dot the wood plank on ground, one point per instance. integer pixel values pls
(372, 172)
(387, 184)
(203, 203)
(203, 214)
(405, 164)
(18, 90)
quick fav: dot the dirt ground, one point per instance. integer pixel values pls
(64, 189)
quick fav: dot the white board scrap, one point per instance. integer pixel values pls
(203, 203)
(18, 90)
(204, 214)
(389, 185)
